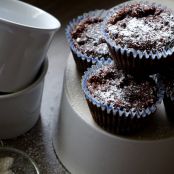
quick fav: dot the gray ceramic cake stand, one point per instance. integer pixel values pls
(84, 148)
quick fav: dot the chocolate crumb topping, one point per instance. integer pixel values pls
(88, 38)
(111, 86)
(142, 27)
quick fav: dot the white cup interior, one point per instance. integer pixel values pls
(20, 13)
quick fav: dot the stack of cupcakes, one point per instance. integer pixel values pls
(126, 44)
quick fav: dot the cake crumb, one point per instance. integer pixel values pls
(5, 165)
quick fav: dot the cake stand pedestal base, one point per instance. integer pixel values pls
(84, 148)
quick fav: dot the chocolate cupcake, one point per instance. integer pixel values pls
(140, 36)
(85, 39)
(118, 102)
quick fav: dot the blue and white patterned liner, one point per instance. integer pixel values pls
(127, 51)
(72, 24)
(119, 111)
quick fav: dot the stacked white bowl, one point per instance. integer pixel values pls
(25, 36)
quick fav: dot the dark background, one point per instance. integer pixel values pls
(65, 10)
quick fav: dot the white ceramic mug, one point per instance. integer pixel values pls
(20, 111)
(25, 35)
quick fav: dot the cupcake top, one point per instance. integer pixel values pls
(142, 26)
(112, 87)
(87, 38)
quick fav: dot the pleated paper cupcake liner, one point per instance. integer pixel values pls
(83, 61)
(163, 79)
(169, 105)
(118, 120)
(168, 96)
(136, 62)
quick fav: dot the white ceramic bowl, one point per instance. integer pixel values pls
(25, 36)
(20, 111)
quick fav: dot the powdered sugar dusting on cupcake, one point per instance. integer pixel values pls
(88, 38)
(111, 86)
(142, 27)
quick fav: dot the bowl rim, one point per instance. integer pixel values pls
(32, 86)
(22, 153)
(56, 26)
